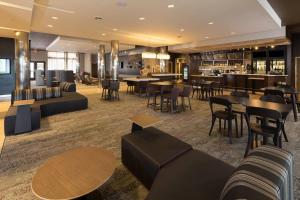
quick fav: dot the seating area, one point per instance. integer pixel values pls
(149, 100)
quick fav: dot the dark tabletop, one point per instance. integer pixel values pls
(283, 89)
(282, 108)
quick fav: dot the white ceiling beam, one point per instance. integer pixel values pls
(265, 4)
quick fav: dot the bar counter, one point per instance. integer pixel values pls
(245, 81)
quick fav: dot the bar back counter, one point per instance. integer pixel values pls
(244, 81)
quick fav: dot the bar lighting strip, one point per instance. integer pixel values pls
(151, 55)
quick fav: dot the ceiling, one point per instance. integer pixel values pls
(187, 22)
(41, 40)
(288, 11)
(71, 44)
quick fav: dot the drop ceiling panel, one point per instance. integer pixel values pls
(161, 25)
(67, 44)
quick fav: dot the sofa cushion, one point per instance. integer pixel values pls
(68, 87)
(193, 176)
(70, 101)
(23, 94)
(56, 92)
(145, 152)
(265, 174)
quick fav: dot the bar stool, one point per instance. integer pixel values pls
(254, 80)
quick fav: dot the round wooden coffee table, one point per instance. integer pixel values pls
(73, 174)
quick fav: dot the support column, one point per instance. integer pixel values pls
(114, 59)
(22, 60)
(163, 62)
(101, 63)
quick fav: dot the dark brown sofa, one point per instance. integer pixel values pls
(172, 170)
(67, 102)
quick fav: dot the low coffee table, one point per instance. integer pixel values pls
(139, 122)
(74, 174)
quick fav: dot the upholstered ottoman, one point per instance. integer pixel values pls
(145, 152)
(10, 119)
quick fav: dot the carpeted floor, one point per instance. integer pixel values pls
(102, 125)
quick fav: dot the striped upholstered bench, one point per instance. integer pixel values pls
(265, 174)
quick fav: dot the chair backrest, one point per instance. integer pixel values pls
(239, 94)
(105, 84)
(273, 98)
(174, 93)
(114, 85)
(219, 101)
(263, 112)
(274, 92)
(187, 90)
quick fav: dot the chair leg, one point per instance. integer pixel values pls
(230, 131)
(249, 144)
(236, 127)
(220, 125)
(242, 124)
(284, 133)
(190, 103)
(212, 124)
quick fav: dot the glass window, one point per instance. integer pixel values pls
(56, 60)
(32, 70)
(62, 61)
(4, 66)
(72, 62)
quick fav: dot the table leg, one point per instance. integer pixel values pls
(23, 119)
(293, 97)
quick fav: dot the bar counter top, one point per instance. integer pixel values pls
(199, 75)
(162, 75)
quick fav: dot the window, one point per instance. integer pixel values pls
(72, 62)
(4, 66)
(62, 61)
(56, 60)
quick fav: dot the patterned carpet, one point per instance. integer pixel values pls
(102, 125)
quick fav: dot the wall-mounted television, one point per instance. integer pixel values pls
(4, 66)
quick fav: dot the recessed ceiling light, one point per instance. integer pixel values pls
(256, 48)
(142, 18)
(210, 23)
(103, 34)
(272, 46)
(115, 29)
(233, 33)
(50, 26)
(55, 18)
(182, 30)
(206, 37)
(171, 6)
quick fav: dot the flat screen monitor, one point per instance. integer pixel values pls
(4, 66)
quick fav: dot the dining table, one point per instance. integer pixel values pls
(293, 92)
(284, 109)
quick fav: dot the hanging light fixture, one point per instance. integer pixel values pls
(149, 55)
(163, 56)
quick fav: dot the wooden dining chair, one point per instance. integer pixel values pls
(264, 129)
(185, 94)
(170, 99)
(281, 100)
(241, 112)
(227, 115)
